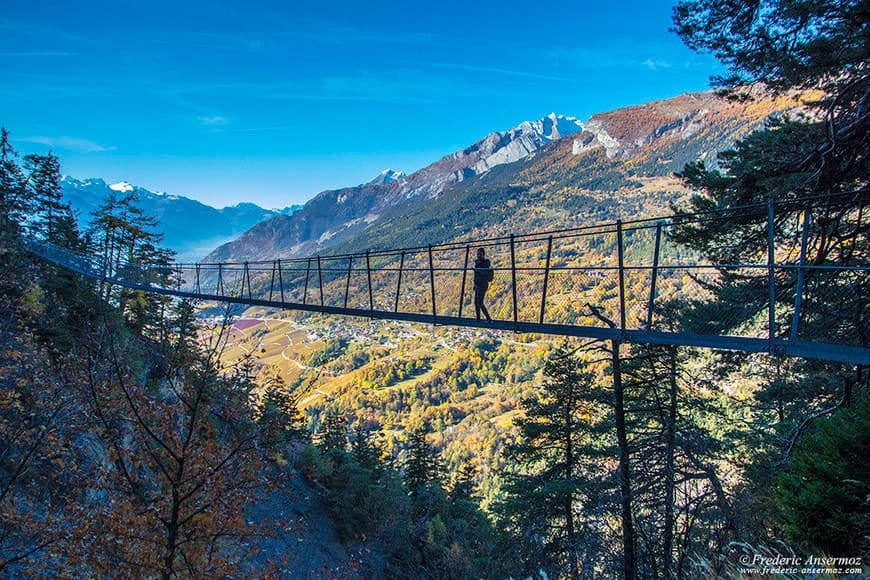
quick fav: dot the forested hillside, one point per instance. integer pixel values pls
(143, 436)
(129, 448)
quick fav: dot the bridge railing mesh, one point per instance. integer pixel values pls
(624, 276)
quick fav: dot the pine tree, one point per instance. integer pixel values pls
(553, 454)
(790, 45)
(119, 229)
(421, 466)
(824, 493)
(12, 198)
(332, 435)
(367, 451)
(819, 165)
(121, 234)
(675, 471)
(464, 485)
(52, 219)
(279, 417)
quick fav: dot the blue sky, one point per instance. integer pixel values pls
(273, 102)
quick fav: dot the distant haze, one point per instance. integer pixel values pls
(190, 228)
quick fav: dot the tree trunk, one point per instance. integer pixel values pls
(569, 501)
(670, 429)
(172, 538)
(629, 564)
(572, 539)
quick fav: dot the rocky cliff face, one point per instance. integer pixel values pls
(627, 132)
(495, 149)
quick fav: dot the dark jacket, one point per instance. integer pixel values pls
(482, 272)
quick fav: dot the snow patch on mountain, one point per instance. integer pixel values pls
(121, 186)
(493, 150)
(521, 141)
(554, 126)
(387, 176)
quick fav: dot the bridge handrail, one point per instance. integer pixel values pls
(787, 276)
(578, 231)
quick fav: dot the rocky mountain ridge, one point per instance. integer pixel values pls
(335, 215)
(555, 158)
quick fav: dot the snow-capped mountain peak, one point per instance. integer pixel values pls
(388, 175)
(555, 126)
(121, 186)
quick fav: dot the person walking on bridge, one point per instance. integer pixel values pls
(483, 275)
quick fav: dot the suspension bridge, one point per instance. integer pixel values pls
(611, 281)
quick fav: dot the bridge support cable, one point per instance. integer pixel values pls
(620, 257)
(432, 285)
(399, 282)
(464, 276)
(281, 280)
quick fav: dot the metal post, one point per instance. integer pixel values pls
(307, 275)
(369, 272)
(220, 283)
(272, 282)
(432, 282)
(771, 307)
(621, 257)
(320, 279)
(248, 279)
(655, 274)
(198, 287)
(546, 279)
(464, 275)
(514, 277)
(799, 287)
(347, 281)
(281, 281)
(399, 283)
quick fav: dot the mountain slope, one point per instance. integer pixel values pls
(190, 227)
(555, 172)
(620, 166)
(336, 215)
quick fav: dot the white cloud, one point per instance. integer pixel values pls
(656, 64)
(213, 120)
(594, 58)
(70, 143)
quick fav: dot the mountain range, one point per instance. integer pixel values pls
(556, 171)
(335, 215)
(553, 172)
(190, 228)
